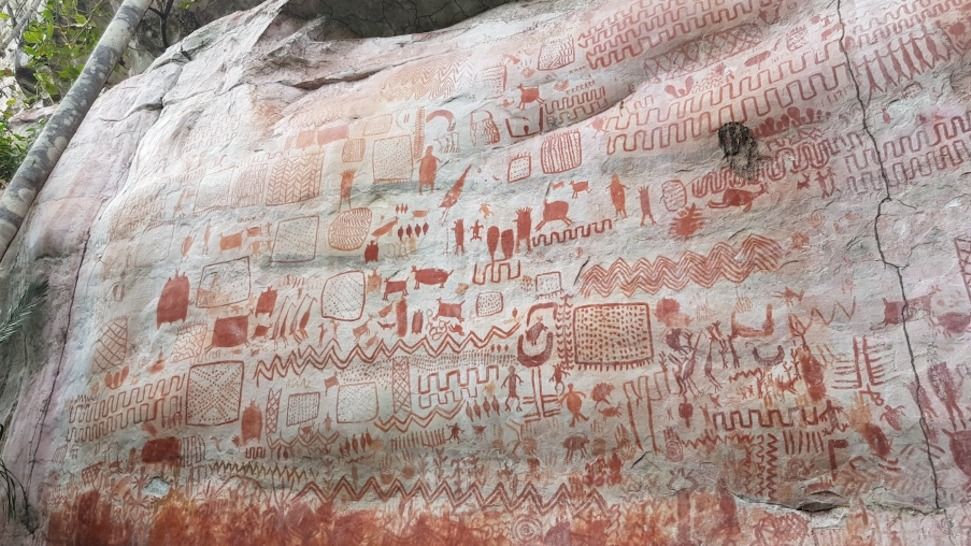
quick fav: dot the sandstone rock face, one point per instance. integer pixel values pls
(614, 272)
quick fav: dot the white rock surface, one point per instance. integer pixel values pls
(500, 284)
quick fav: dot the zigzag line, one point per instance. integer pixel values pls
(771, 464)
(628, 32)
(892, 22)
(703, 51)
(258, 470)
(402, 425)
(758, 452)
(907, 171)
(298, 359)
(706, 440)
(780, 85)
(499, 498)
(303, 439)
(756, 253)
(817, 314)
(88, 408)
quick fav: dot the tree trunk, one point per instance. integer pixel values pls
(25, 17)
(60, 128)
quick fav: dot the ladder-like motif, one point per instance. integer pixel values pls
(963, 246)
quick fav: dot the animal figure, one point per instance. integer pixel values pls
(453, 194)
(579, 187)
(576, 444)
(459, 230)
(736, 197)
(524, 226)
(645, 200)
(555, 211)
(231, 241)
(371, 252)
(449, 310)
(394, 287)
(362, 330)
(953, 323)
(895, 312)
(528, 95)
(534, 331)
(430, 276)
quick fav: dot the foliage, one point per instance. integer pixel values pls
(59, 41)
(15, 508)
(13, 146)
(14, 320)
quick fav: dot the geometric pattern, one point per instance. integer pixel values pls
(561, 152)
(612, 334)
(963, 247)
(296, 240)
(214, 190)
(353, 150)
(343, 296)
(723, 261)
(214, 393)
(302, 407)
(488, 304)
(189, 342)
(520, 167)
(357, 403)
(556, 54)
(391, 159)
(401, 384)
(349, 229)
(548, 283)
(224, 283)
(112, 345)
(248, 184)
(272, 410)
(293, 179)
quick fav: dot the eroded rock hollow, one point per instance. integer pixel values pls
(614, 272)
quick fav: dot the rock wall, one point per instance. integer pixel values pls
(613, 272)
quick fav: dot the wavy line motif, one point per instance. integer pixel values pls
(499, 498)
(299, 359)
(756, 253)
(573, 233)
(893, 21)
(629, 32)
(421, 421)
(260, 471)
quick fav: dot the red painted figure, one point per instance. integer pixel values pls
(511, 383)
(427, 170)
(618, 194)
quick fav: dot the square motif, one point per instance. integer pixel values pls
(214, 393)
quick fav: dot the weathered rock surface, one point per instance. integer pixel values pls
(518, 282)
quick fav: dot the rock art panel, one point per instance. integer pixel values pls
(609, 272)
